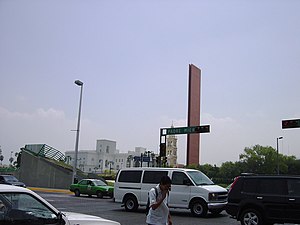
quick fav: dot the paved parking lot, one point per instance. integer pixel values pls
(106, 208)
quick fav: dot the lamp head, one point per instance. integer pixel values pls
(78, 82)
(280, 137)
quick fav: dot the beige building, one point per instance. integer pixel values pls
(171, 150)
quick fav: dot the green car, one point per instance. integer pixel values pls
(92, 187)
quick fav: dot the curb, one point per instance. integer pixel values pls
(51, 190)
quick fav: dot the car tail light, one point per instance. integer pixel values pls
(234, 182)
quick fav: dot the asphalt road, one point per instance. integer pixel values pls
(106, 208)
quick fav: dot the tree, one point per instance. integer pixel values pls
(229, 170)
(17, 163)
(259, 159)
(293, 165)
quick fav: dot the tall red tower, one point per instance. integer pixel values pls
(193, 140)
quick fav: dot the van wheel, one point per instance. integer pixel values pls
(199, 208)
(130, 204)
(251, 217)
(77, 193)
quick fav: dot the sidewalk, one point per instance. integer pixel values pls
(51, 190)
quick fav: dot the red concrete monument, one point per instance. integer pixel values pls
(193, 140)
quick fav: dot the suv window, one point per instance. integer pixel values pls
(249, 185)
(294, 187)
(278, 186)
(130, 176)
(153, 177)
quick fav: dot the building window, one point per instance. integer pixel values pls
(107, 149)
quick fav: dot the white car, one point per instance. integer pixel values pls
(22, 206)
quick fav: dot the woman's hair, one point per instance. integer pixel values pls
(165, 180)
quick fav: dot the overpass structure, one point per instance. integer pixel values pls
(44, 166)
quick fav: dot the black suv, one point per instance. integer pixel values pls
(264, 200)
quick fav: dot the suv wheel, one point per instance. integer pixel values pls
(198, 208)
(251, 217)
(130, 203)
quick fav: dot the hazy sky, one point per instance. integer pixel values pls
(133, 58)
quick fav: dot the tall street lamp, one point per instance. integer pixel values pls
(277, 155)
(74, 177)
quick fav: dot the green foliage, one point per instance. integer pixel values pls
(192, 166)
(257, 159)
(260, 159)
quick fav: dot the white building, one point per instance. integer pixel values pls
(107, 158)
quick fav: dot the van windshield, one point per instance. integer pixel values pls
(199, 178)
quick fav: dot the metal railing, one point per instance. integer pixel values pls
(45, 151)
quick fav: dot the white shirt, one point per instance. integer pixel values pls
(159, 216)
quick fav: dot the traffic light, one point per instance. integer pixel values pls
(158, 161)
(162, 150)
(164, 160)
(295, 123)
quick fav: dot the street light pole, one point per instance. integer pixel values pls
(278, 155)
(74, 177)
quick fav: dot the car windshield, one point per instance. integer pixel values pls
(10, 179)
(23, 208)
(99, 183)
(199, 178)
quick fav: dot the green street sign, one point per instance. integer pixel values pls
(294, 123)
(188, 130)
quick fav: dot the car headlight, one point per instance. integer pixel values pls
(213, 196)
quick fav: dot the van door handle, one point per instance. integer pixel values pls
(292, 199)
(259, 197)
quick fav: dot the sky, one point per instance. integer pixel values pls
(133, 58)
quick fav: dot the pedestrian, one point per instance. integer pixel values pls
(159, 213)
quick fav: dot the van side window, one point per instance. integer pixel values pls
(153, 177)
(130, 176)
(178, 178)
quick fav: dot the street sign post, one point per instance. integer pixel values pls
(293, 123)
(176, 130)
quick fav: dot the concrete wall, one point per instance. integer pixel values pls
(38, 172)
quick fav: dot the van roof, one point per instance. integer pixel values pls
(158, 168)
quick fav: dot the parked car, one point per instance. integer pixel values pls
(92, 187)
(22, 206)
(11, 180)
(265, 199)
(191, 189)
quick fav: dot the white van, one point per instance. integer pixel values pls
(191, 189)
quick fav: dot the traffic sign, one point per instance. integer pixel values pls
(145, 158)
(294, 123)
(188, 130)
